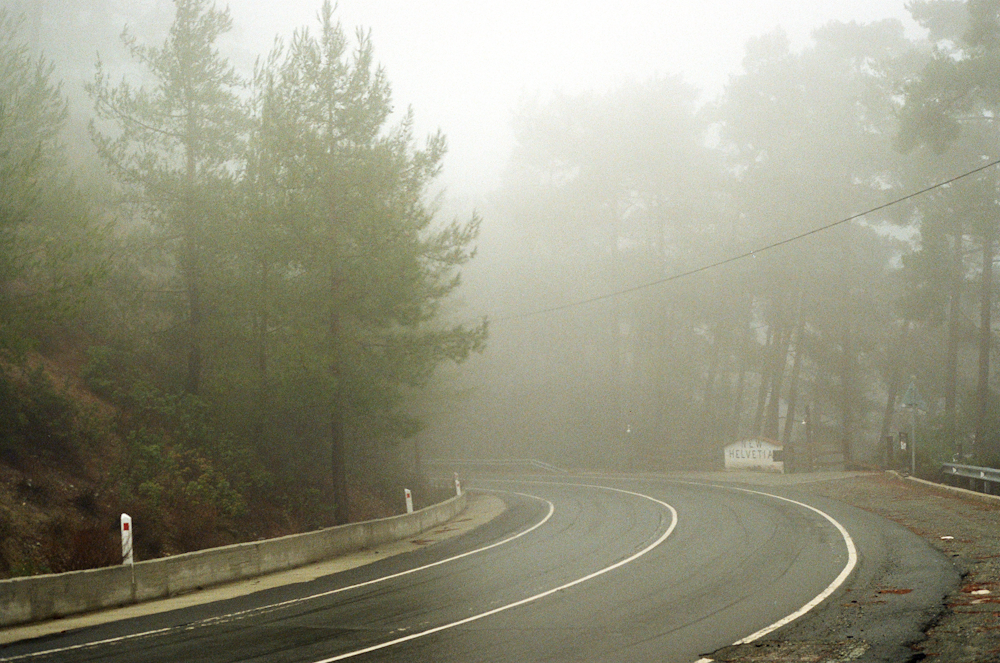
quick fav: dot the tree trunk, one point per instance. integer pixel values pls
(780, 360)
(982, 445)
(338, 456)
(951, 353)
(193, 278)
(793, 386)
(737, 416)
(741, 340)
(718, 342)
(338, 462)
(192, 258)
(765, 382)
(665, 332)
(895, 382)
(846, 396)
(261, 322)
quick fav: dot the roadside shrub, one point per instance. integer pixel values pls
(37, 420)
(176, 489)
(72, 546)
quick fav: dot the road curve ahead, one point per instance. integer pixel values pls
(571, 571)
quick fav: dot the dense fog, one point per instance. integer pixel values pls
(271, 260)
(672, 274)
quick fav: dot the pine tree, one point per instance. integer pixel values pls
(337, 206)
(951, 107)
(43, 223)
(176, 143)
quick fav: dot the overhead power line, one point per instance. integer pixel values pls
(751, 252)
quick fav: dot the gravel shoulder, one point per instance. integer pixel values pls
(963, 627)
(963, 527)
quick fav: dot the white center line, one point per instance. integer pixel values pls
(530, 599)
(852, 561)
(221, 619)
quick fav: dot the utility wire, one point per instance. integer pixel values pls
(750, 253)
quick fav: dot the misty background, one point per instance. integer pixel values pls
(637, 238)
(467, 69)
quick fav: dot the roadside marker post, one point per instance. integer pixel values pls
(126, 525)
(458, 486)
(127, 558)
(409, 500)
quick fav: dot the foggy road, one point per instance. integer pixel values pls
(625, 571)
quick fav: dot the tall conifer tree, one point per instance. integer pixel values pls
(176, 142)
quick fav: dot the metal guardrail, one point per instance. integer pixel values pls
(494, 462)
(980, 479)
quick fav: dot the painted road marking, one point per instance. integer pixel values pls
(530, 599)
(852, 561)
(222, 619)
(819, 598)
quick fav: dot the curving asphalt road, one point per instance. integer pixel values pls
(628, 570)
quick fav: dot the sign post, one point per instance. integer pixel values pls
(913, 441)
(409, 500)
(913, 401)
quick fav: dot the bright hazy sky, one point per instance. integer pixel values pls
(464, 65)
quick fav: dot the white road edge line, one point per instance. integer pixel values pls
(221, 619)
(530, 599)
(852, 561)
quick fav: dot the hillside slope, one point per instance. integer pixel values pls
(71, 462)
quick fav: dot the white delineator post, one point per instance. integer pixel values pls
(126, 525)
(409, 500)
(458, 486)
(126, 539)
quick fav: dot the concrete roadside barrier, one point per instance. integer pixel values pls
(37, 598)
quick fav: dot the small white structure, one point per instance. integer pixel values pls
(756, 454)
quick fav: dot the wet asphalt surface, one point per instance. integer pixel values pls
(961, 528)
(733, 563)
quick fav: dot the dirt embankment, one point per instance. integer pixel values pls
(68, 470)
